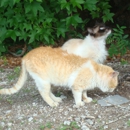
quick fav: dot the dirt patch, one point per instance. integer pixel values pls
(26, 109)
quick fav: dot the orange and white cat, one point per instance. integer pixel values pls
(53, 66)
(93, 46)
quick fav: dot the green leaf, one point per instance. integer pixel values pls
(11, 34)
(107, 16)
(2, 48)
(46, 37)
(78, 19)
(4, 3)
(27, 26)
(22, 35)
(123, 27)
(61, 31)
(32, 36)
(15, 1)
(125, 36)
(34, 7)
(39, 0)
(2, 33)
(77, 3)
(90, 5)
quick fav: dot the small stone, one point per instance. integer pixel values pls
(99, 116)
(34, 104)
(70, 109)
(103, 122)
(63, 97)
(30, 119)
(60, 110)
(2, 124)
(20, 118)
(9, 124)
(77, 119)
(90, 121)
(83, 117)
(7, 112)
(84, 128)
(106, 127)
(34, 114)
(66, 122)
(66, 113)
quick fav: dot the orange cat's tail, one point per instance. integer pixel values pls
(19, 84)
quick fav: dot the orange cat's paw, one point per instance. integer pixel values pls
(58, 99)
(87, 100)
(54, 104)
(79, 104)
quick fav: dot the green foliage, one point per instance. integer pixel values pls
(128, 123)
(119, 42)
(40, 21)
(100, 8)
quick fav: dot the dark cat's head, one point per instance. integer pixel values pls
(99, 31)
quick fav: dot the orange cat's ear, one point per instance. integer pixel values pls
(114, 74)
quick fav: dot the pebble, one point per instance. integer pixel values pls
(77, 119)
(66, 113)
(2, 124)
(9, 124)
(83, 117)
(34, 114)
(106, 127)
(34, 104)
(84, 128)
(67, 122)
(7, 112)
(63, 97)
(70, 109)
(90, 121)
(30, 119)
(99, 116)
(20, 118)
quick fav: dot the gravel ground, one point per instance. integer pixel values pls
(26, 109)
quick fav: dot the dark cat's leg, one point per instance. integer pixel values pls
(86, 99)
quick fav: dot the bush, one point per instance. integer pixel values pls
(119, 43)
(46, 21)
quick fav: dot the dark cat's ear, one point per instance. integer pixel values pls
(90, 30)
(114, 74)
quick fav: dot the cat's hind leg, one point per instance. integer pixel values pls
(86, 99)
(44, 88)
(45, 93)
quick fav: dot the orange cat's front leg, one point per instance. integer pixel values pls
(54, 98)
(86, 99)
(78, 98)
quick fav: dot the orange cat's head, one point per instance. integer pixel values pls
(108, 79)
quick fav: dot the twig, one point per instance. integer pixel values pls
(122, 117)
(90, 117)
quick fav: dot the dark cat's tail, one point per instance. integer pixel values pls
(19, 84)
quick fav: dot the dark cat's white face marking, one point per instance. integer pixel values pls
(99, 30)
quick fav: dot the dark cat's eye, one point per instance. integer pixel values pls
(102, 28)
